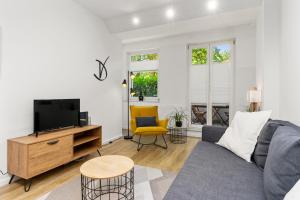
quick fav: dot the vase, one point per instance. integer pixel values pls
(141, 98)
(179, 124)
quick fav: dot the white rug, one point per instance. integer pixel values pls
(150, 184)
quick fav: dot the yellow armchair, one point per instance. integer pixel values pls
(160, 129)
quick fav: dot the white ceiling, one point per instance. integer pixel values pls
(112, 8)
(213, 22)
(118, 14)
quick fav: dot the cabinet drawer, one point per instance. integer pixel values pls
(47, 155)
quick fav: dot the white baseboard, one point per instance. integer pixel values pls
(4, 180)
(194, 134)
(112, 139)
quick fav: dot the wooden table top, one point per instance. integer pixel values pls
(31, 139)
(106, 167)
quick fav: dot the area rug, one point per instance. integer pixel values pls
(150, 184)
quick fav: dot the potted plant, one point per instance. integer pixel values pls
(178, 116)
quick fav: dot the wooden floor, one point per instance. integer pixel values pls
(171, 159)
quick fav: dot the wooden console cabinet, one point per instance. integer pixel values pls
(30, 156)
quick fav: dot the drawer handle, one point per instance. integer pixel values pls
(53, 142)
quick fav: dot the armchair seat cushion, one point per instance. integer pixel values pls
(150, 130)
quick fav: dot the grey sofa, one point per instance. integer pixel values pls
(214, 173)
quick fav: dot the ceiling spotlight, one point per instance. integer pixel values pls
(212, 5)
(136, 21)
(170, 13)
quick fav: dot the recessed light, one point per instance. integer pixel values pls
(212, 5)
(136, 21)
(170, 13)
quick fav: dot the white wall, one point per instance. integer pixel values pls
(268, 54)
(290, 63)
(48, 50)
(173, 68)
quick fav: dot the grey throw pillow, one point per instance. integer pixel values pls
(145, 121)
(282, 169)
(260, 153)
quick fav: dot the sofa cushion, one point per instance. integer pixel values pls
(214, 173)
(282, 169)
(145, 121)
(264, 139)
(241, 136)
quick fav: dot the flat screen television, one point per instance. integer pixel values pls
(55, 114)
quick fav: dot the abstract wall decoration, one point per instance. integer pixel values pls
(102, 75)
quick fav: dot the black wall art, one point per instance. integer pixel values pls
(102, 70)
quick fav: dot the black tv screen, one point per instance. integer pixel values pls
(55, 114)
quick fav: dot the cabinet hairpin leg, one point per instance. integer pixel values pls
(99, 152)
(27, 185)
(11, 179)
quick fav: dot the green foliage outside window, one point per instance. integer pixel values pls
(220, 56)
(199, 56)
(144, 57)
(145, 83)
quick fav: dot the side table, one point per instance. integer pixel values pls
(178, 135)
(107, 177)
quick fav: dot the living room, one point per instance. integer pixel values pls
(170, 99)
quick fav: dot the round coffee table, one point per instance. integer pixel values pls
(107, 177)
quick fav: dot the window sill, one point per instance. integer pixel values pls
(152, 100)
(146, 100)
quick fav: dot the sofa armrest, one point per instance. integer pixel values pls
(212, 133)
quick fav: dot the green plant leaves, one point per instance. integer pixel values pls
(145, 83)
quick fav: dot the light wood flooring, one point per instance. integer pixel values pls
(171, 159)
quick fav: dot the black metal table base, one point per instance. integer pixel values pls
(140, 144)
(178, 135)
(27, 184)
(120, 187)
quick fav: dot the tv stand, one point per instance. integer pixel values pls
(50, 131)
(30, 156)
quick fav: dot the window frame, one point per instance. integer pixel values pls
(210, 62)
(133, 53)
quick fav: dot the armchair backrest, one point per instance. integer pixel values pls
(142, 111)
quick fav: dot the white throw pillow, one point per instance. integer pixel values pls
(294, 193)
(241, 136)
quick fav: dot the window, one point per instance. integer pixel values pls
(199, 56)
(145, 84)
(144, 57)
(144, 66)
(210, 83)
(221, 53)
